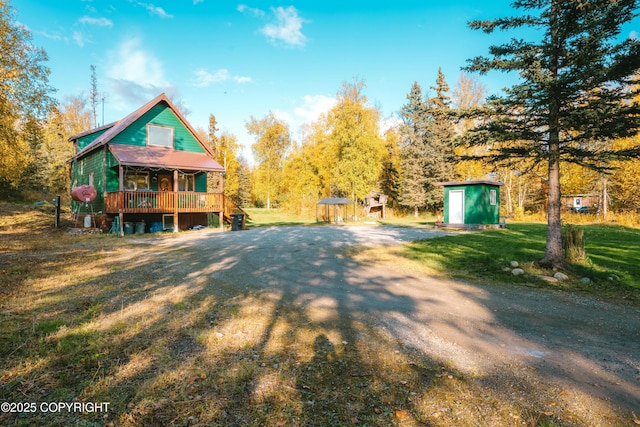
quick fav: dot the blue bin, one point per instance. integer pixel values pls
(155, 227)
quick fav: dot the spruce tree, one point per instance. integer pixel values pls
(575, 91)
(414, 133)
(439, 161)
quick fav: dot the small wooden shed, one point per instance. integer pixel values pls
(471, 204)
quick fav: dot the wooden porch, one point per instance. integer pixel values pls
(170, 202)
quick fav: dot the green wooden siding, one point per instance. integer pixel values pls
(81, 170)
(201, 182)
(88, 139)
(162, 115)
(113, 174)
(477, 203)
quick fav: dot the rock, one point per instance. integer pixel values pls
(505, 269)
(517, 271)
(548, 279)
(586, 280)
(514, 264)
(614, 278)
(561, 276)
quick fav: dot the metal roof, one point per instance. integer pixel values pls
(163, 157)
(115, 128)
(335, 201)
(458, 183)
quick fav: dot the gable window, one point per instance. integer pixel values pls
(493, 197)
(136, 180)
(160, 136)
(186, 182)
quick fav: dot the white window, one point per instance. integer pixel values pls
(493, 197)
(186, 182)
(160, 136)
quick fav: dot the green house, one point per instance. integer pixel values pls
(471, 204)
(150, 167)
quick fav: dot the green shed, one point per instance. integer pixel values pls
(471, 204)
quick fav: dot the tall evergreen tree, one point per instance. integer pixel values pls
(575, 90)
(414, 132)
(439, 161)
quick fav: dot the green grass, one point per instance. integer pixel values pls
(613, 253)
(262, 217)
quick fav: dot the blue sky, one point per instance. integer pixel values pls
(237, 59)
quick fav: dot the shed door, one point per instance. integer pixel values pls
(456, 207)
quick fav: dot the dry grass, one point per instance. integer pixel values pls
(106, 319)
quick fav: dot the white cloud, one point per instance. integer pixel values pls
(313, 106)
(287, 28)
(309, 110)
(205, 78)
(135, 76)
(284, 116)
(79, 38)
(242, 79)
(633, 35)
(154, 10)
(242, 8)
(100, 22)
(392, 122)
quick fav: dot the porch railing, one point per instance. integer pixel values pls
(162, 202)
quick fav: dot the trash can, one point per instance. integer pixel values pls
(236, 222)
(140, 226)
(129, 227)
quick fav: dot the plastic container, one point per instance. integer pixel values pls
(129, 228)
(155, 227)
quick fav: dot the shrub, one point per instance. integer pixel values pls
(573, 244)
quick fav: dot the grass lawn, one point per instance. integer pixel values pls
(107, 319)
(262, 217)
(613, 253)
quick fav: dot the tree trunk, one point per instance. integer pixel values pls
(554, 256)
(415, 212)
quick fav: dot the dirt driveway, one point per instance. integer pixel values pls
(532, 343)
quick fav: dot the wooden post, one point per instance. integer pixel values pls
(221, 225)
(121, 198)
(175, 201)
(57, 202)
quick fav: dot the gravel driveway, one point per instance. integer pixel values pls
(529, 342)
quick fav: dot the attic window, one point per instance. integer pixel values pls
(160, 136)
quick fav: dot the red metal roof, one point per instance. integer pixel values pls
(162, 157)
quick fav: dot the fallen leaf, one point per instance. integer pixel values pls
(281, 423)
(402, 414)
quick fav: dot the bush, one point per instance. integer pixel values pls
(573, 244)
